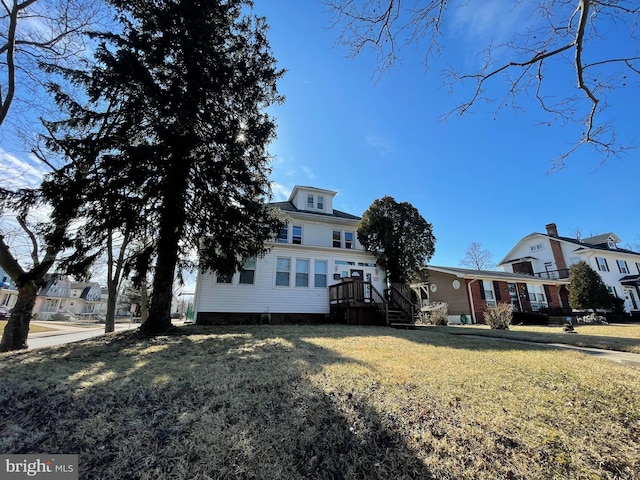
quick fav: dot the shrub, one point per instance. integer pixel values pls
(435, 314)
(617, 305)
(529, 318)
(499, 317)
(592, 319)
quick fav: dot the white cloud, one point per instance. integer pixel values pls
(18, 173)
(382, 145)
(280, 192)
(308, 172)
(496, 19)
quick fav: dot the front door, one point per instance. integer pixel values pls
(360, 294)
(357, 274)
(515, 299)
(631, 298)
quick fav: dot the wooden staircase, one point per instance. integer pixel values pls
(399, 319)
(401, 311)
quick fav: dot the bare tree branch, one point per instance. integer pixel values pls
(40, 31)
(548, 31)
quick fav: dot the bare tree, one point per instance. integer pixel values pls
(577, 233)
(28, 275)
(592, 43)
(477, 258)
(33, 32)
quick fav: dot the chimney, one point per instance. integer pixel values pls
(552, 230)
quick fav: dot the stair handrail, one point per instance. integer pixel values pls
(399, 299)
(379, 302)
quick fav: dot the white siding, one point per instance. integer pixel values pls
(317, 244)
(572, 252)
(316, 234)
(538, 248)
(264, 296)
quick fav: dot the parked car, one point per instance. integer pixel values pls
(4, 313)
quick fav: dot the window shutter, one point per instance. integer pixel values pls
(547, 292)
(481, 289)
(606, 264)
(496, 289)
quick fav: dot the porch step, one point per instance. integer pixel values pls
(398, 319)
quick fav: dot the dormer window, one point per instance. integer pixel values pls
(320, 203)
(611, 244)
(310, 202)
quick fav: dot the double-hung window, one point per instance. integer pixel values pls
(348, 239)
(320, 273)
(487, 291)
(536, 297)
(309, 201)
(284, 235)
(622, 266)
(603, 266)
(296, 235)
(224, 278)
(320, 202)
(248, 272)
(302, 272)
(337, 238)
(283, 270)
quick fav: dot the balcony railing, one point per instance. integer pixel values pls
(554, 274)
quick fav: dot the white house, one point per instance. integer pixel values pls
(550, 256)
(64, 298)
(317, 249)
(8, 290)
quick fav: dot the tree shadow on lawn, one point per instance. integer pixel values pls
(236, 406)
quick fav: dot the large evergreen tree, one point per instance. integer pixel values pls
(586, 289)
(400, 238)
(173, 136)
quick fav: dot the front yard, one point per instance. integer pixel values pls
(619, 337)
(334, 401)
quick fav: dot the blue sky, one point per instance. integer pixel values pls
(475, 178)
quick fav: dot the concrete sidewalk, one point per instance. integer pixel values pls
(626, 358)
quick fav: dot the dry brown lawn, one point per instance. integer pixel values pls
(322, 402)
(33, 328)
(619, 337)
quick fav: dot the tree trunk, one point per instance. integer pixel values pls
(144, 301)
(159, 320)
(170, 231)
(110, 320)
(17, 329)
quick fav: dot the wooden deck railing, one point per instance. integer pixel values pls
(358, 293)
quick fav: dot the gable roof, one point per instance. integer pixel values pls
(494, 274)
(602, 239)
(296, 188)
(290, 207)
(581, 245)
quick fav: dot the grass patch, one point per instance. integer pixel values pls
(32, 328)
(322, 402)
(622, 338)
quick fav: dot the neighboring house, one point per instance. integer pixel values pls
(8, 290)
(67, 299)
(550, 256)
(470, 292)
(314, 256)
